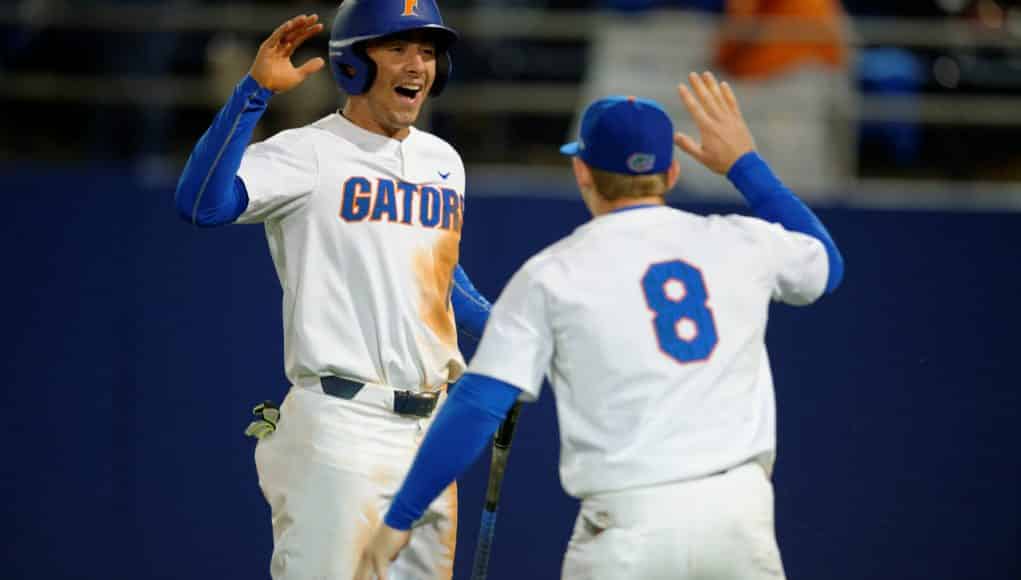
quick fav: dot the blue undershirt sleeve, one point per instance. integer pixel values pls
(457, 436)
(471, 309)
(209, 192)
(772, 201)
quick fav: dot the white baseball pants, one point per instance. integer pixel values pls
(714, 528)
(329, 472)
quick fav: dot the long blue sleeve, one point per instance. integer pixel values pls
(209, 191)
(471, 309)
(772, 201)
(457, 436)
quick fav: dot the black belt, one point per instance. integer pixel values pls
(405, 402)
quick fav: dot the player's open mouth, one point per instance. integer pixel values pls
(409, 91)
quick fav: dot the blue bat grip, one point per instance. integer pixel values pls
(485, 544)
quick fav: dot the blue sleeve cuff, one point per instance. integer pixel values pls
(209, 192)
(250, 86)
(753, 177)
(471, 309)
(458, 435)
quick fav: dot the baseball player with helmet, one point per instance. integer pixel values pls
(363, 214)
(649, 322)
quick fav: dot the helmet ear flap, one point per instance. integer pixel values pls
(444, 67)
(353, 69)
(369, 66)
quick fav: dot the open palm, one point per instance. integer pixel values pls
(724, 134)
(272, 68)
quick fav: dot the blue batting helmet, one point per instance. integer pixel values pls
(358, 21)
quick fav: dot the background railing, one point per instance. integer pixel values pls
(157, 72)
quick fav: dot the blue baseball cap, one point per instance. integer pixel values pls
(625, 135)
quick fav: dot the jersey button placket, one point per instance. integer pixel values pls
(402, 159)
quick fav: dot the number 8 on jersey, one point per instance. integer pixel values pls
(685, 330)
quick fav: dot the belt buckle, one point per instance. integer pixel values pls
(416, 404)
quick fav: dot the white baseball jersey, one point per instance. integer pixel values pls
(650, 324)
(364, 233)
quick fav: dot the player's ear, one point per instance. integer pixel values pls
(672, 174)
(582, 173)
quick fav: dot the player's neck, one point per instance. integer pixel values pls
(605, 206)
(362, 117)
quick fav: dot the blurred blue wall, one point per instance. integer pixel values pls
(127, 389)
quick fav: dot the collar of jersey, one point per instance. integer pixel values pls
(615, 218)
(631, 207)
(348, 130)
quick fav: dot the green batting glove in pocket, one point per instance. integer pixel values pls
(267, 415)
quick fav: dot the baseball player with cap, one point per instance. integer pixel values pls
(649, 322)
(363, 214)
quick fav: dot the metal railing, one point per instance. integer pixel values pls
(487, 97)
(256, 20)
(487, 23)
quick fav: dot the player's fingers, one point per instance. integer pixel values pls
(275, 37)
(361, 571)
(291, 44)
(714, 90)
(366, 569)
(730, 98)
(705, 98)
(305, 28)
(303, 36)
(692, 105)
(309, 32)
(295, 33)
(380, 567)
(311, 66)
(294, 28)
(688, 145)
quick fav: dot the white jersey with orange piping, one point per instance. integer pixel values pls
(364, 233)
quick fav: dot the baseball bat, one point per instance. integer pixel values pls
(487, 530)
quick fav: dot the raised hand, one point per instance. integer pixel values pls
(724, 135)
(272, 67)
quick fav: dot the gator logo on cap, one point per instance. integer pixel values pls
(641, 162)
(409, 7)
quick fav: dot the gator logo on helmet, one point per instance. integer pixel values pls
(409, 8)
(641, 162)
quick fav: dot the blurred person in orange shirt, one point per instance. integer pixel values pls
(793, 76)
(789, 59)
(763, 38)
